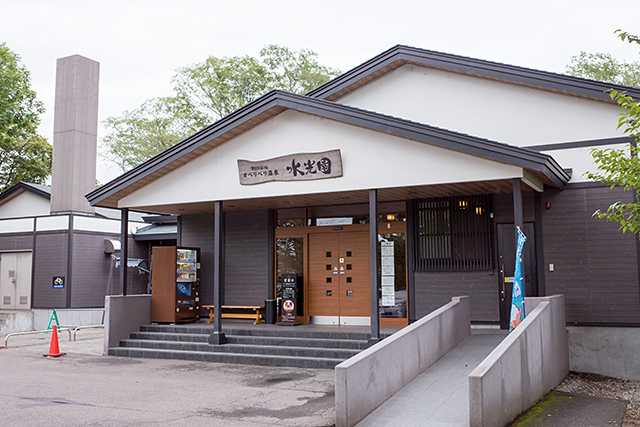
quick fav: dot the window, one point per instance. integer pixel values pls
(454, 234)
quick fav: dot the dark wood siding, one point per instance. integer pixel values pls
(246, 257)
(16, 242)
(197, 231)
(503, 208)
(90, 271)
(433, 290)
(246, 268)
(596, 266)
(50, 260)
(137, 283)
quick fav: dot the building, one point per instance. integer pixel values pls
(449, 153)
(57, 251)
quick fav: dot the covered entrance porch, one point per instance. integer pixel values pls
(445, 192)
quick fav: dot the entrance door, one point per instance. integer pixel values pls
(339, 286)
(507, 263)
(15, 280)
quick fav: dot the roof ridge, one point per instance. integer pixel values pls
(468, 65)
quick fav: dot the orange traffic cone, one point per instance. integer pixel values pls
(54, 350)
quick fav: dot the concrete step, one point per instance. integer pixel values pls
(262, 330)
(248, 359)
(297, 342)
(167, 336)
(335, 343)
(330, 353)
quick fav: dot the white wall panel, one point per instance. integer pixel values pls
(50, 223)
(16, 225)
(579, 159)
(102, 225)
(370, 160)
(489, 109)
(24, 204)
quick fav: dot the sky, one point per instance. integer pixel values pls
(140, 44)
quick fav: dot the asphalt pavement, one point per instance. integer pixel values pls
(85, 388)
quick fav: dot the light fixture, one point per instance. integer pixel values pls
(391, 217)
(478, 210)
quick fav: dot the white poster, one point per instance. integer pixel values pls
(387, 301)
(388, 291)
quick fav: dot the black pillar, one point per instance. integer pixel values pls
(373, 272)
(517, 204)
(217, 336)
(410, 254)
(540, 264)
(124, 248)
(271, 255)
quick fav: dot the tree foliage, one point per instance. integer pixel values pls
(139, 134)
(603, 67)
(24, 154)
(622, 167)
(206, 92)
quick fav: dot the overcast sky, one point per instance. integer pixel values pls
(140, 44)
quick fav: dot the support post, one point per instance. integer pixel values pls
(373, 273)
(410, 257)
(517, 205)
(540, 264)
(217, 336)
(271, 256)
(124, 248)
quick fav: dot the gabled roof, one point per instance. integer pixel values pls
(43, 191)
(400, 55)
(275, 102)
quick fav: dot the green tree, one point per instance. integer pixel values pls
(158, 124)
(604, 68)
(24, 154)
(622, 167)
(204, 93)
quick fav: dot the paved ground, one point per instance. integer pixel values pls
(85, 388)
(566, 409)
(440, 395)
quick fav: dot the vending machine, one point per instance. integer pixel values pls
(175, 284)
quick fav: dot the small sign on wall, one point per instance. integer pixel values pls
(294, 167)
(58, 282)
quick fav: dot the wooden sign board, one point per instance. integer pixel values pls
(293, 167)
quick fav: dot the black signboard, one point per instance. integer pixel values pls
(289, 302)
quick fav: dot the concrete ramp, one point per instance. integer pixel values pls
(440, 395)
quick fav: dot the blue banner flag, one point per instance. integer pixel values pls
(517, 296)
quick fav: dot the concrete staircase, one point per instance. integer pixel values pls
(269, 345)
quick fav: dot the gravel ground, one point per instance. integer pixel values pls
(599, 385)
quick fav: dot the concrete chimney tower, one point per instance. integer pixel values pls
(75, 134)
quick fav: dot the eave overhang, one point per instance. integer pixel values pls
(401, 55)
(543, 166)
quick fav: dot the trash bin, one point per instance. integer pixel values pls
(270, 311)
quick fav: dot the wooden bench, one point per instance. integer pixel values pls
(256, 309)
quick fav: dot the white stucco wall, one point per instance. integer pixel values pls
(24, 204)
(498, 111)
(579, 159)
(370, 160)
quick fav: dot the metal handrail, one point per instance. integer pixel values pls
(85, 327)
(13, 334)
